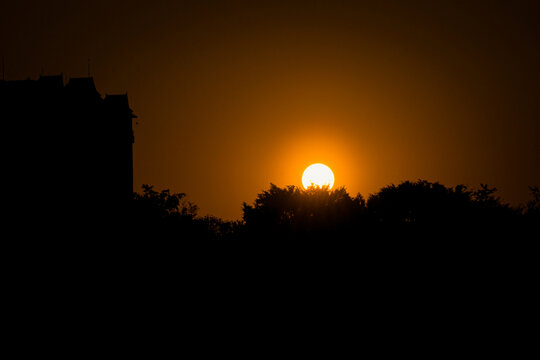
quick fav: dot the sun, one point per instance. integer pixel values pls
(318, 175)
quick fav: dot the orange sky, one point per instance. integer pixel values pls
(233, 95)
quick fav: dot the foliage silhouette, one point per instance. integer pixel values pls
(532, 209)
(170, 214)
(413, 203)
(292, 212)
(419, 209)
(162, 205)
(426, 205)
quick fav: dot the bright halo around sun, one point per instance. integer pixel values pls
(318, 175)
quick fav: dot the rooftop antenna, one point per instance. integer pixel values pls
(88, 67)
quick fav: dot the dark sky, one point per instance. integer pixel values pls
(233, 95)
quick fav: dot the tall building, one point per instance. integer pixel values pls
(68, 150)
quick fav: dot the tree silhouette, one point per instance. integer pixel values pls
(291, 212)
(441, 211)
(532, 207)
(169, 214)
(419, 209)
(418, 203)
(162, 213)
(163, 205)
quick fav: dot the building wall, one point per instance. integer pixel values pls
(67, 146)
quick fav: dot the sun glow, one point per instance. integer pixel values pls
(318, 175)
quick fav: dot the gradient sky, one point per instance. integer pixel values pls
(233, 95)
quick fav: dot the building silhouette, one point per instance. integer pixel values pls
(67, 149)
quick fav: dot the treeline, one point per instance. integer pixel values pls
(419, 209)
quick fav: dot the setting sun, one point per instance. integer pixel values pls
(318, 175)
